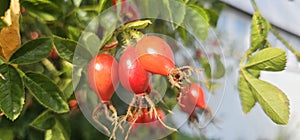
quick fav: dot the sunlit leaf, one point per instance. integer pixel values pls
(77, 2)
(272, 100)
(246, 94)
(103, 4)
(32, 51)
(259, 31)
(12, 94)
(140, 24)
(269, 59)
(46, 92)
(254, 72)
(2, 60)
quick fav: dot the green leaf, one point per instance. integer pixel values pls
(32, 51)
(259, 31)
(108, 22)
(158, 87)
(220, 68)
(212, 86)
(85, 16)
(65, 48)
(145, 8)
(255, 73)
(77, 2)
(4, 7)
(73, 32)
(68, 90)
(46, 92)
(42, 15)
(269, 59)
(6, 134)
(206, 67)
(183, 34)
(2, 60)
(182, 136)
(213, 17)
(176, 12)
(60, 131)
(140, 24)
(12, 94)
(44, 10)
(3, 24)
(246, 96)
(44, 121)
(92, 43)
(103, 4)
(197, 21)
(273, 101)
(160, 84)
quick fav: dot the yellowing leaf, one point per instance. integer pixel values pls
(246, 94)
(259, 31)
(272, 100)
(10, 39)
(269, 59)
(140, 24)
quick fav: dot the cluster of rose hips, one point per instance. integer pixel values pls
(150, 55)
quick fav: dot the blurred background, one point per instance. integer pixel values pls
(234, 29)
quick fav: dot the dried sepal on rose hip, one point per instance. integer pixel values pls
(157, 57)
(145, 118)
(103, 79)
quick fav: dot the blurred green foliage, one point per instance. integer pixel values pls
(58, 25)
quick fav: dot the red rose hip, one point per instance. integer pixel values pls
(195, 95)
(103, 76)
(132, 74)
(155, 55)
